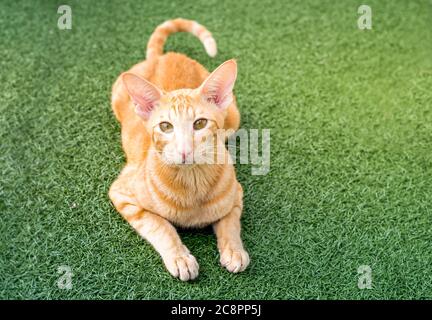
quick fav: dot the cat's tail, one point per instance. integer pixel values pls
(161, 33)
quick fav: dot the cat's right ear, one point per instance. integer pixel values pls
(144, 94)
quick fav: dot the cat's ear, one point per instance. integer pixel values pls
(218, 86)
(144, 94)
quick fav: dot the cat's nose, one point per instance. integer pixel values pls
(184, 155)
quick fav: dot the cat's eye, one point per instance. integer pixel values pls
(200, 124)
(166, 127)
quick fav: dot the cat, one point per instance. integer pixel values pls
(170, 109)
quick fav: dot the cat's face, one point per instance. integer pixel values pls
(184, 123)
(184, 128)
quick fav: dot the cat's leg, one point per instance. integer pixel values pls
(232, 254)
(165, 239)
(156, 230)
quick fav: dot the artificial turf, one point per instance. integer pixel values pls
(351, 132)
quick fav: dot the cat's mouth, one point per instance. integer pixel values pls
(194, 158)
(179, 161)
(182, 165)
(186, 163)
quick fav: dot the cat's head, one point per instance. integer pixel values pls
(183, 123)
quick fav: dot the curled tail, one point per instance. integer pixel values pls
(161, 33)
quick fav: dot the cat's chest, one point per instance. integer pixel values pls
(195, 212)
(192, 206)
(186, 212)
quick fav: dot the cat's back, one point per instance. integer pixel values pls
(174, 71)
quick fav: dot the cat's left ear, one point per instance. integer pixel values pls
(218, 87)
(144, 94)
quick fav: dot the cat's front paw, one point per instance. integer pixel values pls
(183, 266)
(234, 260)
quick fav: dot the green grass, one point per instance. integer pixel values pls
(351, 161)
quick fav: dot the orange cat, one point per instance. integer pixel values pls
(170, 109)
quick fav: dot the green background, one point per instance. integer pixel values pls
(351, 132)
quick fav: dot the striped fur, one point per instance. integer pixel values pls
(154, 194)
